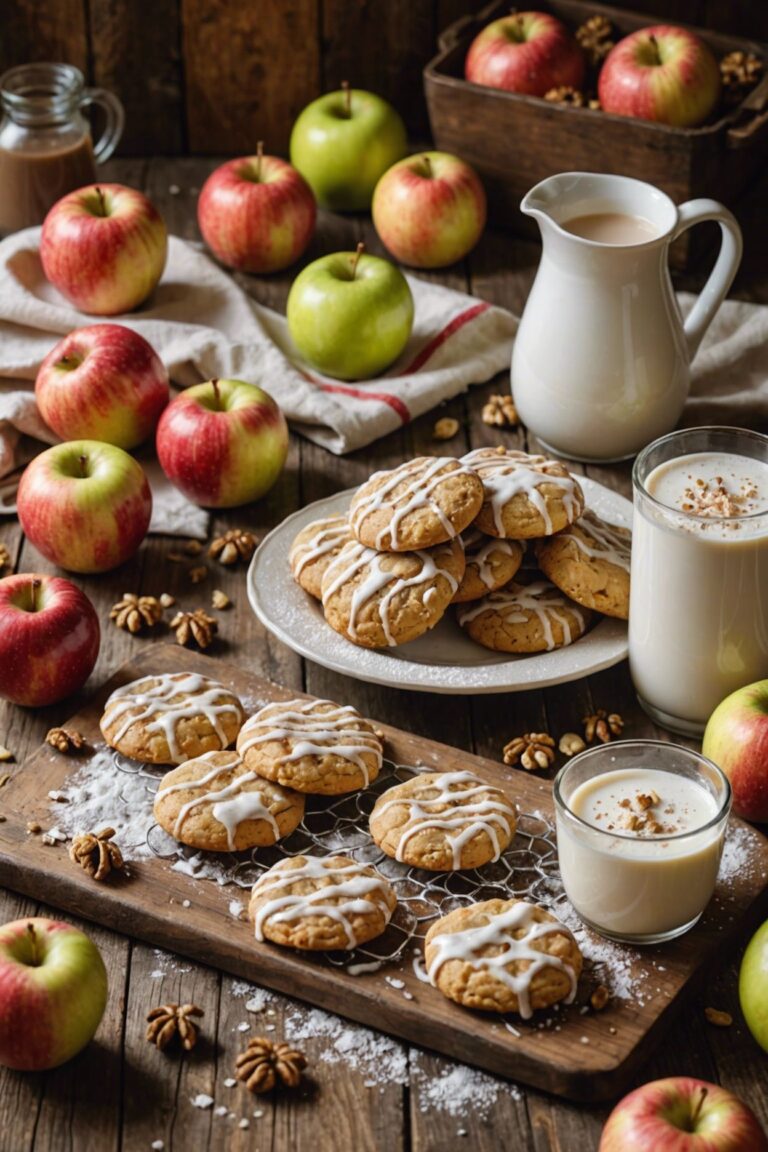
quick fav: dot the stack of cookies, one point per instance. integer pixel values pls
(439, 531)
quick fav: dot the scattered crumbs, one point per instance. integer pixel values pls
(407, 995)
(186, 903)
(157, 974)
(256, 1003)
(269, 1028)
(235, 909)
(617, 966)
(394, 982)
(737, 859)
(510, 1028)
(584, 1039)
(460, 1091)
(173, 190)
(230, 1082)
(221, 1110)
(461, 1132)
(376, 1057)
(60, 796)
(258, 1114)
(244, 1027)
(243, 988)
(157, 1145)
(244, 1123)
(369, 966)
(612, 1030)
(203, 1100)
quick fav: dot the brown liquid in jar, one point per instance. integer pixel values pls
(31, 181)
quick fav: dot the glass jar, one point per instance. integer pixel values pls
(45, 141)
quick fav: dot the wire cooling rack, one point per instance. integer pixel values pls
(339, 826)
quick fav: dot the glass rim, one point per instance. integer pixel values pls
(20, 91)
(561, 804)
(639, 486)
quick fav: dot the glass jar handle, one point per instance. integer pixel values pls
(113, 129)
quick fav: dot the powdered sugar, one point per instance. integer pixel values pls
(378, 1058)
(99, 795)
(737, 859)
(459, 1091)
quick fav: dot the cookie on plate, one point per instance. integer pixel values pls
(525, 496)
(525, 618)
(503, 956)
(419, 504)
(170, 718)
(589, 561)
(311, 746)
(313, 549)
(381, 599)
(490, 564)
(321, 903)
(217, 804)
(443, 821)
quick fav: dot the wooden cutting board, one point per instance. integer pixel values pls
(578, 1053)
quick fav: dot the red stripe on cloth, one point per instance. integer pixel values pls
(363, 394)
(437, 341)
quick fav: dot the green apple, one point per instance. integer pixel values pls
(753, 986)
(350, 314)
(342, 143)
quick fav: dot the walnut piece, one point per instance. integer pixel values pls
(135, 613)
(263, 1065)
(96, 854)
(500, 412)
(5, 557)
(599, 997)
(718, 1018)
(220, 600)
(65, 740)
(739, 72)
(198, 574)
(595, 36)
(193, 547)
(237, 544)
(167, 600)
(533, 750)
(570, 744)
(603, 726)
(194, 627)
(169, 1020)
(565, 95)
(445, 428)
(5, 754)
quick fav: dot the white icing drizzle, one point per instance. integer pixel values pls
(479, 548)
(517, 602)
(330, 536)
(417, 479)
(509, 474)
(312, 732)
(231, 805)
(161, 706)
(348, 894)
(469, 807)
(499, 933)
(356, 558)
(603, 541)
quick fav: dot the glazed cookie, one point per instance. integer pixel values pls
(525, 496)
(381, 599)
(589, 561)
(217, 804)
(491, 563)
(503, 956)
(320, 903)
(311, 746)
(314, 548)
(443, 821)
(420, 503)
(171, 718)
(525, 618)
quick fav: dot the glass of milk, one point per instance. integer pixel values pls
(698, 612)
(640, 831)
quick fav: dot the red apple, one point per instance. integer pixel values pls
(527, 52)
(736, 738)
(53, 992)
(682, 1114)
(104, 382)
(49, 639)
(257, 213)
(429, 210)
(104, 248)
(661, 73)
(222, 443)
(85, 505)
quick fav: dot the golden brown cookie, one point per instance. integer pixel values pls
(503, 956)
(589, 561)
(525, 618)
(381, 599)
(170, 718)
(525, 496)
(419, 504)
(217, 804)
(312, 746)
(320, 903)
(313, 549)
(443, 821)
(491, 563)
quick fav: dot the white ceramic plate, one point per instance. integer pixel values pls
(445, 659)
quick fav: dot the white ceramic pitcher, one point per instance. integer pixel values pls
(601, 361)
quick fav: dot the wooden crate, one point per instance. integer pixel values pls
(515, 141)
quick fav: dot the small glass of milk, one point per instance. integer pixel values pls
(640, 831)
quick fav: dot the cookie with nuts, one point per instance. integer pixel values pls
(525, 618)
(590, 561)
(525, 496)
(490, 564)
(313, 549)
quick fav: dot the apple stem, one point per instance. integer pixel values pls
(259, 157)
(102, 201)
(83, 462)
(703, 1092)
(34, 590)
(347, 98)
(215, 386)
(655, 46)
(356, 258)
(32, 936)
(427, 165)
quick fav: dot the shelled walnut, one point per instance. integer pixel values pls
(263, 1065)
(135, 613)
(533, 750)
(500, 412)
(170, 1020)
(237, 544)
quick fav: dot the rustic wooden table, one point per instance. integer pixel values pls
(121, 1093)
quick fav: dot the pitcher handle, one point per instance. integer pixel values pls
(115, 121)
(721, 277)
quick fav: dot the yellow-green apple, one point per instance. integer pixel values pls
(49, 639)
(104, 382)
(53, 992)
(736, 738)
(257, 213)
(527, 52)
(85, 505)
(429, 210)
(663, 73)
(682, 1114)
(753, 986)
(343, 142)
(350, 314)
(104, 247)
(222, 443)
